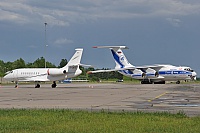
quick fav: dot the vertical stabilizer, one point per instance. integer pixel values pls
(118, 55)
(76, 58)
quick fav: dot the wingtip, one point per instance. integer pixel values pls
(89, 72)
(95, 47)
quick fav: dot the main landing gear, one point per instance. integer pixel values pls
(147, 81)
(37, 85)
(54, 84)
(178, 82)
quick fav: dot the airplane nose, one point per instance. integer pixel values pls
(5, 77)
(194, 74)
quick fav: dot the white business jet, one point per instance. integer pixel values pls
(47, 74)
(156, 74)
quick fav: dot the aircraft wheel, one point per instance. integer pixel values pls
(37, 86)
(161, 82)
(16, 84)
(178, 82)
(146, 82)
(54, 85)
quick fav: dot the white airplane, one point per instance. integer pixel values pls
(47, 74)
(156, 74)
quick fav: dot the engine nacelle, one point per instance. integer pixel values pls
(144, 75)
(156, 74)
(55, 71)
(150, 75)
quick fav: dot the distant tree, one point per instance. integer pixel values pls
(63, 62)
(19, 63)
(50, 65)
(2, 68)
(9, 66)
(39, 63)
(29, 65)
(104, 75)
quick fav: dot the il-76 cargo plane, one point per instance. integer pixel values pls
(156, 74)
(47, 74)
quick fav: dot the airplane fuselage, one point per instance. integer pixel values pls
(166, 73)
(41, 74)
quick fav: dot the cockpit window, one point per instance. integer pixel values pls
(9, 72)
(189, 69)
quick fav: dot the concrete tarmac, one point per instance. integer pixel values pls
(108, 96)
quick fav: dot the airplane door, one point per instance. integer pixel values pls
(15, 74)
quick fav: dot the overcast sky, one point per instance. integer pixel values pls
(156, 31)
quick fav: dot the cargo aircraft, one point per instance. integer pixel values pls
(157, 74)
(38, 75)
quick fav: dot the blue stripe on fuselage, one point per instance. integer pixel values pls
(177, 72)
(174, 72)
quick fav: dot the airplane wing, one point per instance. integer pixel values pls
(154, 67)
(111, 70)
(142, 68)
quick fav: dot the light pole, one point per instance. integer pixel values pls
(45, 64)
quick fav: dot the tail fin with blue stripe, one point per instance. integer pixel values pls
(118, 55)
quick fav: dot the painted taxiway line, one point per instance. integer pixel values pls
(157, 97)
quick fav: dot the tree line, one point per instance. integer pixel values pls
(40, 63)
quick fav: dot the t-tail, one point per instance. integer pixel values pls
(118, 55)
(76, 58)
(72, 68)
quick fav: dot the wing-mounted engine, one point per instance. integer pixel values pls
(156, 74)
(56, 72)
(149, 73)
(144, 75)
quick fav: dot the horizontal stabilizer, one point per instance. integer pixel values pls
(85, 65)
(111, 70)
(112, 47)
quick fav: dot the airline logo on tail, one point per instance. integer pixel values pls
(120, 59)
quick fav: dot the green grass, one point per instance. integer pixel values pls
(62, 121)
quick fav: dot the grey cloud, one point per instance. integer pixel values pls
(63, 41)
(174, 21)
(64, 12)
